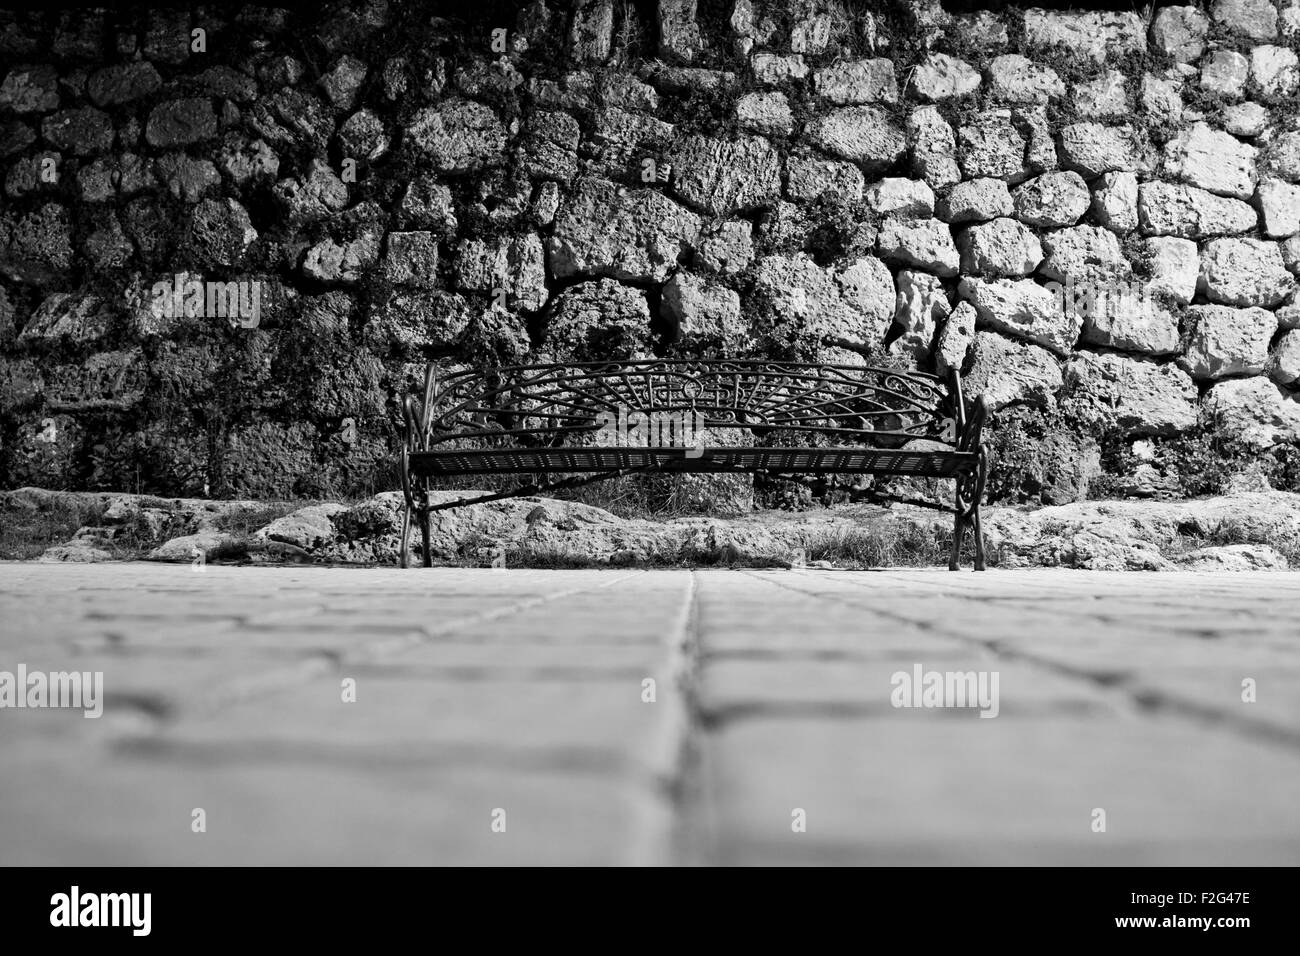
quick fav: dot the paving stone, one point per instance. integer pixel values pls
(314, 809)
(919, 787)
(519, 689)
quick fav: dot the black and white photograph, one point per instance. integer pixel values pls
(650, 433)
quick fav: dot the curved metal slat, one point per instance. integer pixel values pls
(728, 393)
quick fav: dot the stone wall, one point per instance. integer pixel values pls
(1095, 214)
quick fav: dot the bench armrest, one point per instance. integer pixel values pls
(412, 424)
(971, 436)
(969, 414)
(417, 412)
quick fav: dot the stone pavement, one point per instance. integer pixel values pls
(516, 698)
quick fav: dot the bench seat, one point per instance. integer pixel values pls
(838, 460)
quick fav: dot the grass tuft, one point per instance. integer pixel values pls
(26, 533)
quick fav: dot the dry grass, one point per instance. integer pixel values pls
(245, 521)
(892, 544)
(872, 541)
(25, 534)
(877, 544)
(1286, 541)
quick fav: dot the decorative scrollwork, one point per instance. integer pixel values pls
(552, 403)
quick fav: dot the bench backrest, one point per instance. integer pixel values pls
(560, 404)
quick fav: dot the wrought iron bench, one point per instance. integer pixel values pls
(596, 421)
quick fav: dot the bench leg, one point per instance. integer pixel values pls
(426, 533)
(406, 538)
(958, 533)
(979, 540)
